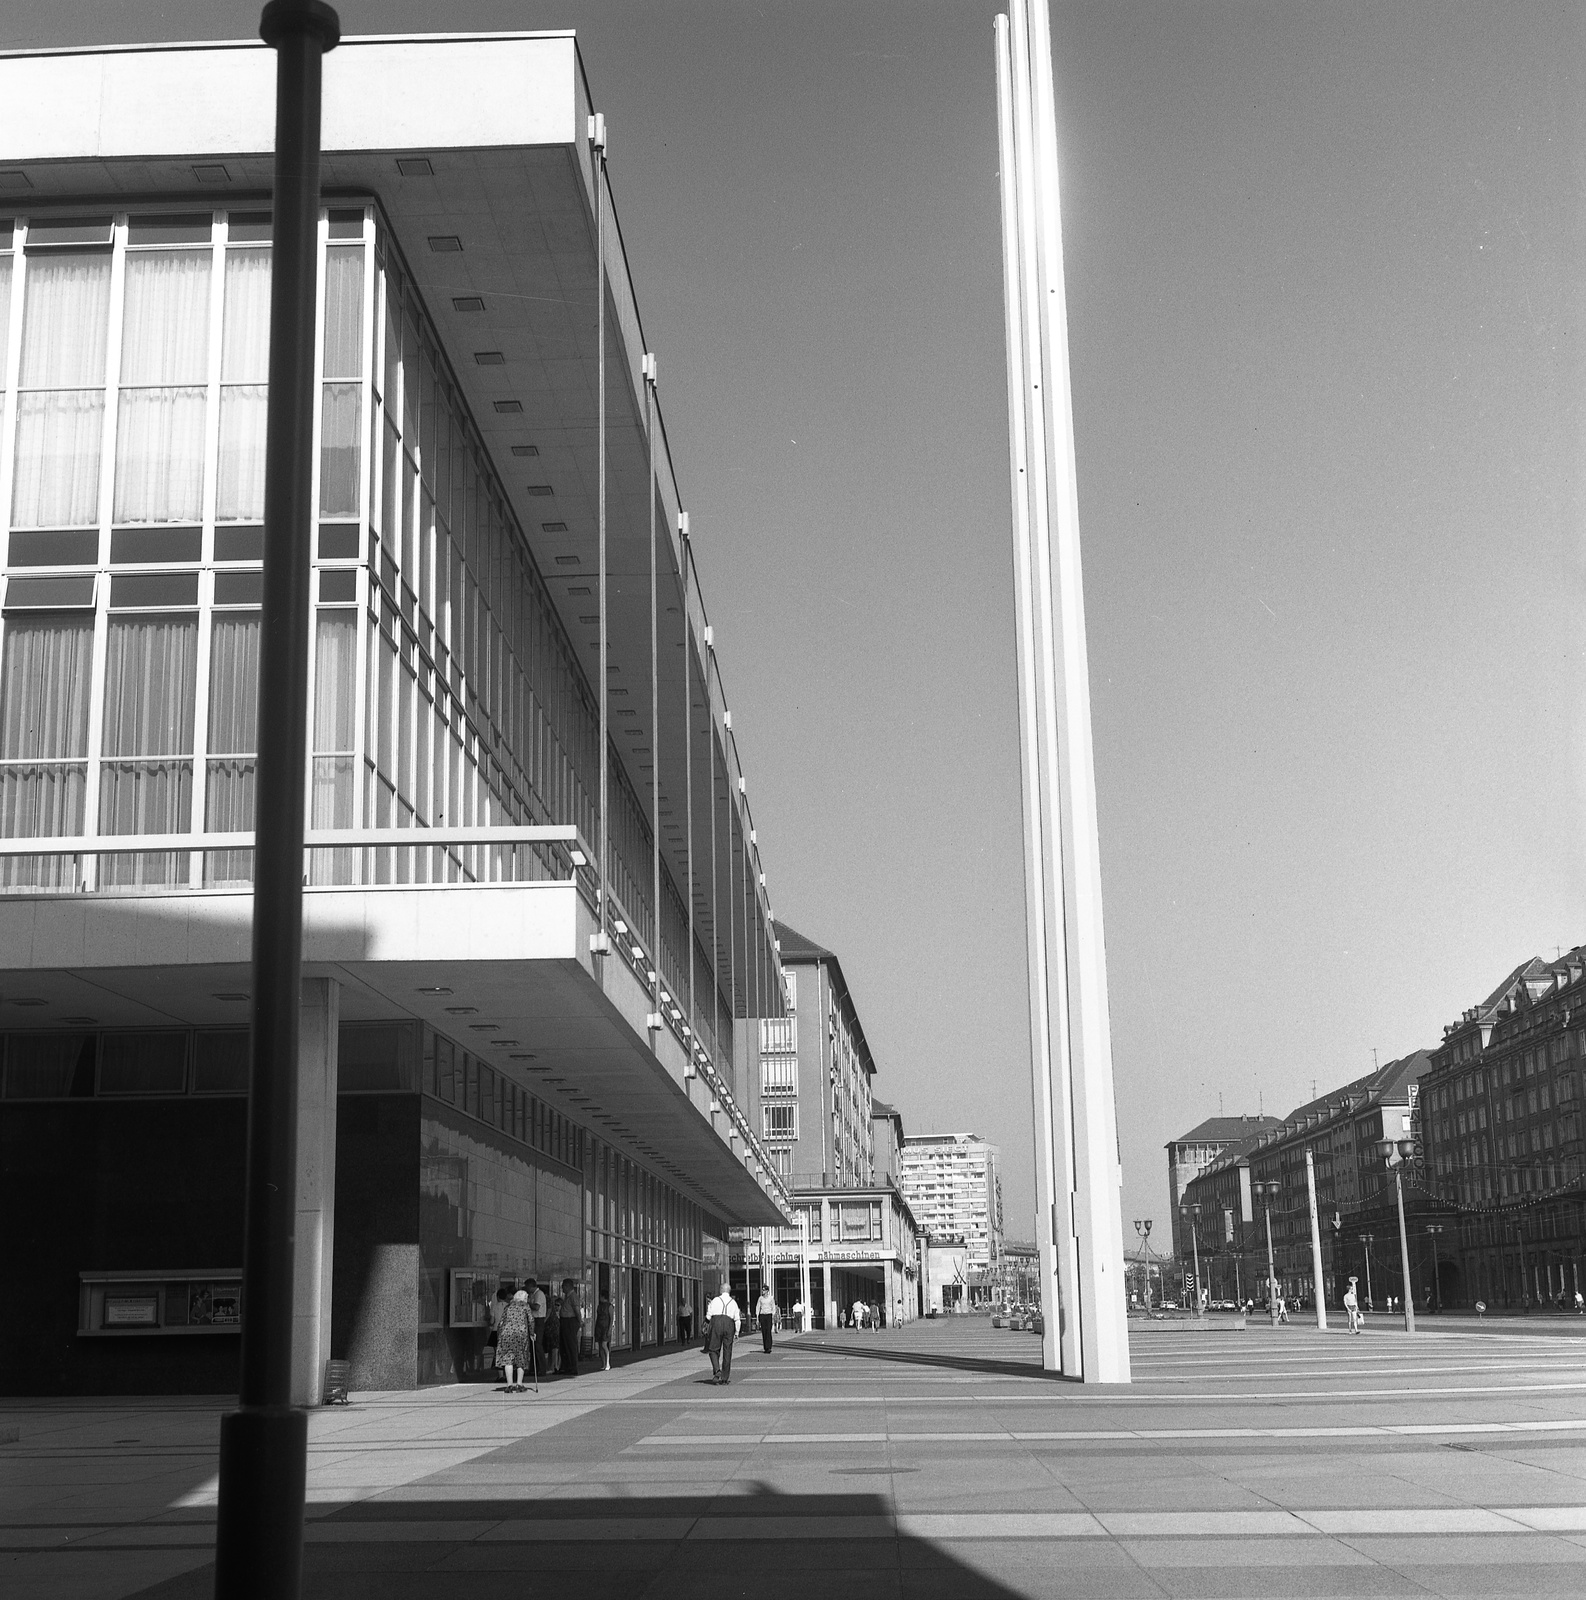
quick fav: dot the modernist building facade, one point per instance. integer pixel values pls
(856, 1237)
(952, 1182)
(1504, 1151)
(538, 947)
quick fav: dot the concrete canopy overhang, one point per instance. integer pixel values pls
(522, 996)
(500, 121)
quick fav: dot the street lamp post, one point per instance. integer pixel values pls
(1142, 1226)
(1268, 1192)
(264, 1442)
(1366, 1241)
(1395, 1152)
(1433, 1229)
(1191, 1214)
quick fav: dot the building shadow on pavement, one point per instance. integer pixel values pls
(861, 1351)
(754, 1542)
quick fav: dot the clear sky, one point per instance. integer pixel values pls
(1325, 267)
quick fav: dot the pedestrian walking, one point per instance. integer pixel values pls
(859, 1313)
(1580, 1304)
(536, 1311)
(570, 1319)
(765, 1310)
(1352, 1306)
(685, 1317)
(512, 1342)
(723, 1316)
(1283, 1309)
(497, 1306)
(603, 1333)
(551, 1337)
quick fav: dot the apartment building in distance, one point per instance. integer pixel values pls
(1502, 1137)
(1191, 1153)
(835, 1145)
(1341, 1132)
(952, 1183)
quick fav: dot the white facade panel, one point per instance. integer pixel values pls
(220, 100)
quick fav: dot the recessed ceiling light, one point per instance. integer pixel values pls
(432, 988)
(489, 358)
(15, 178)
(540, 489)
(522, 1055)
(415, 166)
(445, 244)
(578, 589)
(553, 527)
(211, 172)
(80, 1022)
(467, 302)
(29, 1001)
(525, 449)
(509, 408)
(568, 561)
(462, 1011)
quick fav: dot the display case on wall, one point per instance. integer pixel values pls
(121, 1305)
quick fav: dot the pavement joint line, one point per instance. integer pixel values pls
(943, 1526)
(1355, 1431)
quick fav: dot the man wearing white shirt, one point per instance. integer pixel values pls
(723, 1316)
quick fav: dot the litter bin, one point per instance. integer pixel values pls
(338, 1375)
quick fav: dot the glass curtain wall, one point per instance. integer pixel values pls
(445, 690)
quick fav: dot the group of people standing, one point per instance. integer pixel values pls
(538, 1334)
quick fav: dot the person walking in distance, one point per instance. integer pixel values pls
(603, 1333)
(512, 1342)
(765, 1311)
(1352, 1306)
(723, 1316)
(572, 1319)
(537, 1310)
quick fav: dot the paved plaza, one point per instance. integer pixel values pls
(930, 1461)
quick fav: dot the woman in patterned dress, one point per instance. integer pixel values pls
(512, 1342)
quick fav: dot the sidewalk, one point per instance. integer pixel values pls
(933, 1460)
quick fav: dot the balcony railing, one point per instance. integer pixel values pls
(333, 857)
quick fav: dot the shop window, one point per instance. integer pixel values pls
(119, 1306)
(220, 1062)
(377, 1057)
(143, 1063)
(49, 1066)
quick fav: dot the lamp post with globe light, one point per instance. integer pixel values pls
(1395, 1152)
(1267, 1192)
(1191, 1215)
(1142, 1227)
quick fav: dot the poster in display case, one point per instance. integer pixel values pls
(472, 1290)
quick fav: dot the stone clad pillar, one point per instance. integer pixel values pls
(316, 1186)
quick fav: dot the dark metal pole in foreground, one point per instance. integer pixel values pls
(264, 1444)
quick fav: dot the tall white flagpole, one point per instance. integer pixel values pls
(1080, 1224)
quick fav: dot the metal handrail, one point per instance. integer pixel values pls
(417, 838)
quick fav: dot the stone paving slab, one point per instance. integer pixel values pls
(930, 1461)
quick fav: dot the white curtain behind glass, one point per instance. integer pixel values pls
(164, 370)
(44, 683)
(341, 444)
(233, 739)
(60, 413)
(244, 369)
(146, 777)
(335, 682)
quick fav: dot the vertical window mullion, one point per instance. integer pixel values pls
(13, 349)
(107, 486)
(317, 425)
(198, 822)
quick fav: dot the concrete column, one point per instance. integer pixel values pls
(316, 1186)
(826, 1281)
